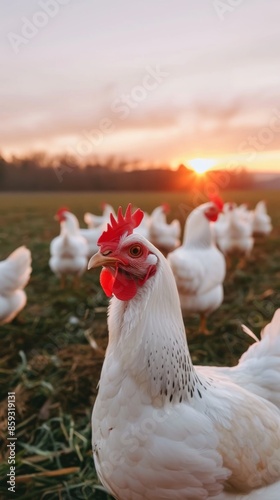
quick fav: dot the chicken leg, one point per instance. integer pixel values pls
(203, 325)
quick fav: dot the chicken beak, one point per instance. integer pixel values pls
(98, 260)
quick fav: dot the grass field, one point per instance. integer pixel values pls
(46, 353)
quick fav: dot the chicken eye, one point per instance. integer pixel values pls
(135, 251)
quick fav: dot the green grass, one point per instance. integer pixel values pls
(46, 357)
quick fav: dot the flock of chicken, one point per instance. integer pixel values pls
(213, 231)
(162, 428)
(198, 264)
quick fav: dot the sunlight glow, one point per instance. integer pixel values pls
(201, 165)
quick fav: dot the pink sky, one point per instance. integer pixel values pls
(160, 81)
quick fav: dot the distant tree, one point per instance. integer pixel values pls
(3, 167)
(43, 172)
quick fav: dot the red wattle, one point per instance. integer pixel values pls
(107, 280)
(120, 285)
(124, 288)
(214, 218)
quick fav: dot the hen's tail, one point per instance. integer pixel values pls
(258, 370)
(260, 364)
(89, 220)
(269, 343)
(15, 271)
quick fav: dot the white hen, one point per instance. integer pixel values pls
(261, 220)
(94, 221)
(92, 235)
(69, 250)
(164, 236)
(161, 429)
(233, 231)
(198, 266)
(144, 227)
(245, 215)
(14, 275)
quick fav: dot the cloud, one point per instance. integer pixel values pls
(156, 133)
(222, 85)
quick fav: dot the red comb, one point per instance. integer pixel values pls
(123, 224)
(61, 210)
(218, 201)
(166, 207)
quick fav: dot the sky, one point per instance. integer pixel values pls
(155, 80)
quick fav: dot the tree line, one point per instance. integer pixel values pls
(64, 173)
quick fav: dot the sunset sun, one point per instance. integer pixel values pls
(201, 165)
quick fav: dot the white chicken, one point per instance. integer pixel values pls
(164, 236)
(261, 220)
(69, 250)
(144, 226)
(14, 275)
(91, 236)
(242, 213)
(258, 369)
(233, 232)
(94, 221)
(161, 428)
(198, 266)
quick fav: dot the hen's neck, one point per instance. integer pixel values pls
(236, 224)
(158, 216)
(197, 232)
(70, 226)
(147, 337)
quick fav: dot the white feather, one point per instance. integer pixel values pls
(14, 275)
(250, 333)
